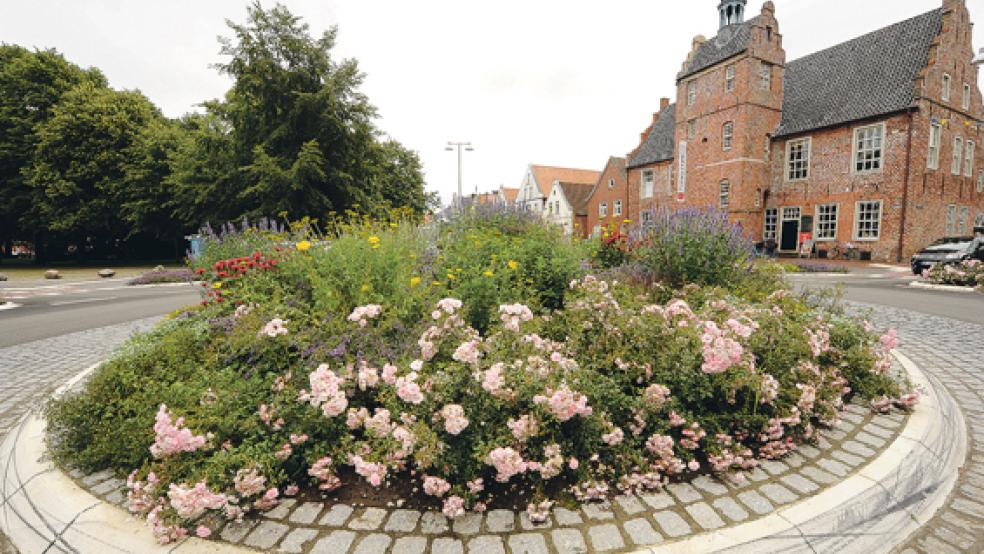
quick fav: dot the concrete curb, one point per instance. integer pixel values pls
(948, 288)
(874, 510)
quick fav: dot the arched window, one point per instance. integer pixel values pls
(725, 198)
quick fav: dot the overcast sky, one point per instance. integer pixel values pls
(555, 82)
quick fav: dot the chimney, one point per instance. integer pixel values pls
(665, 102)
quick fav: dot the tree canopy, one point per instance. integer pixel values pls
(294, 134)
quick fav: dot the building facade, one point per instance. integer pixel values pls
(867, 147)
(566, 207)
(539, 180)
(608, 204)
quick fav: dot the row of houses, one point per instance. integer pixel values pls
(870, 144)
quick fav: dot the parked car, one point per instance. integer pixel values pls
(948, 251)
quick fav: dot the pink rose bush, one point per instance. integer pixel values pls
(602, 387)
(969, 273)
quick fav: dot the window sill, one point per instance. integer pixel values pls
(855, 239)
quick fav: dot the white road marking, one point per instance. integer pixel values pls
(85, 301)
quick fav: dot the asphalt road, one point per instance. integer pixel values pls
(59, 310)
(887, 288)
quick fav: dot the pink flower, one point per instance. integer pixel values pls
(525, 428)
(326, 391)
(373, 472)
(507, 462)
(202, 531)
(454, 419)
(476, 486)
(435, 486)
(292, 490)
(889, 341)
(720, 352)
(656, 396)
(268, 501)
(514, 314)
(808, 395)
(493, 379)
(819, 341)
(467, 353)
(248, 482)
(363, 314)
(323, 472)
(454, 507)
(769, 389)
(275, 327)
(613, 437)
(173, 438)
(389, 374)
(193, 502)
(693, 465)
(573, 463)
(565, 403)
(539, 512)
(449, 305)
(408, 390)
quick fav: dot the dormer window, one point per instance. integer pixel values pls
(947, 85)
(691, 93)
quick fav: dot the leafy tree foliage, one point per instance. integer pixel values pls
(294, 134)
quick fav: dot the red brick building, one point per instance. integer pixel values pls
(870, 145)
(608, 203)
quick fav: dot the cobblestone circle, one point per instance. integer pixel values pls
(31, 371)
(938, 345)
(950, 351)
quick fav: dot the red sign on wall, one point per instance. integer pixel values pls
(680, 197)
(805, 237)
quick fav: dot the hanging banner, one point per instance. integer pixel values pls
(682, 169)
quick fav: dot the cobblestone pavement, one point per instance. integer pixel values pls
(950, 350)
(682, 510)
(31, 371)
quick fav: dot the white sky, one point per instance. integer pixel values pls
(556, 82)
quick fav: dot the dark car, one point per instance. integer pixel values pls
(948, 251)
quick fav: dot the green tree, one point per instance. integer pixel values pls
(31, 85)
(81, 161)
(296, 128)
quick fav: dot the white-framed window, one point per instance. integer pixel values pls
(646, 217)
(618, 207)
(771, 223)
(691, 93)
(966, 97)
(729, 78)
(957, 155)
(947, 85)
(603, 210)
(765, 76)
(951, 220)
(826, 225)
(724, 198)
(692, 129)
(963, 221)
(969, 158)
(935, 135)
(648, 183)
(980, 182)
(727, 135)
(979, 222)
(611, 183)
(798, 159)
(867, 220)
(868, 148)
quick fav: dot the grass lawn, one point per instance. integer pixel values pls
(32, 273)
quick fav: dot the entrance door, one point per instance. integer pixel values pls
(790, 230)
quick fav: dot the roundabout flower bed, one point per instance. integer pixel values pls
(968, 273)
(484, 363)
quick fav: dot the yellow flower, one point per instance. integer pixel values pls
(513, 264)
(217, 285)
(374, 241)
(414, 281)
(487, 274)
(451, 277)
(303, 246)
(365, 288)
(436, 283)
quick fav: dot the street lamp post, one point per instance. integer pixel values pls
(468, 148)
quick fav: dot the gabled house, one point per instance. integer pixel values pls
(507, 196)
(539, 180)
(566, 206)
(609, 201)
(650, 166)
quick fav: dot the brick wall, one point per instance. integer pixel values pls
(612, 187)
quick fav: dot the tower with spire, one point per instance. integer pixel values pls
(732, 12)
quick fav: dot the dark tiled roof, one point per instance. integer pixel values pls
(869, 76)
(730, 41)
(577, 195)
(659, 144)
